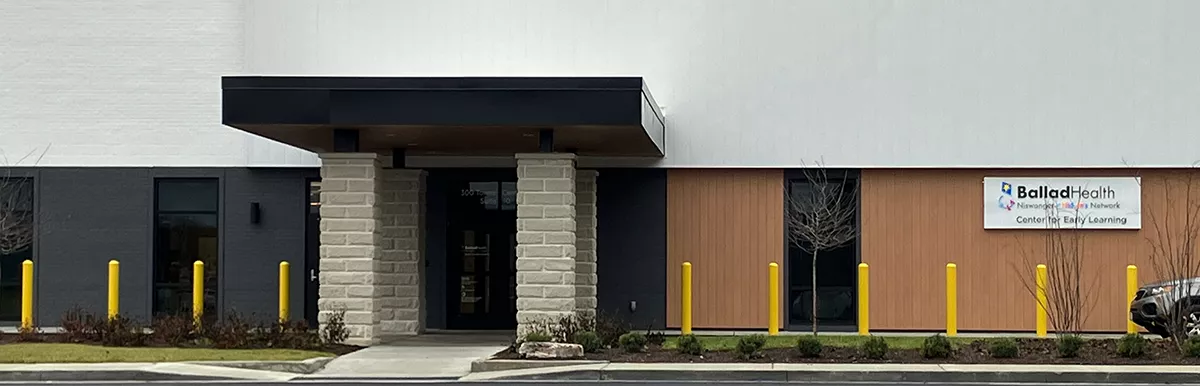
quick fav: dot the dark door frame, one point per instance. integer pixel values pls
(312, 252)
(450, 180)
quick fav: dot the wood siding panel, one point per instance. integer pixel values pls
(916, 221)
(729, 224)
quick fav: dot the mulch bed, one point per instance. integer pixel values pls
(337, 349)
(1032, 351)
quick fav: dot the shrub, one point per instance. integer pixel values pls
(610, 328)
(589, 340)
(334, 331)
(690, 344)
(566, 327)
(633, 342)
(937, 346)
(750, 346)
(656, 338)
(809, 346)
(298, 334)
(75, 324)
(875, 348)
(121, 331)
(538, 336)
(1132, 346)
(233, 331)
(1191, 347)
(1069, 345)
(173, 330)
(1004, 348)
(29, 334)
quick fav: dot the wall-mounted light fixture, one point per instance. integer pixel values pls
(255, 213)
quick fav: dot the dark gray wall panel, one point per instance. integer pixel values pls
(435, 251)
(86, 217)
(631, 244)
(252, 252)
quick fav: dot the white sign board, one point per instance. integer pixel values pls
(1062, 203)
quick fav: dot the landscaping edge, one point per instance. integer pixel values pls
(792, 372)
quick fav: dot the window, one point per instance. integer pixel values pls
(185, 213)
(16, 241)
(836, 268)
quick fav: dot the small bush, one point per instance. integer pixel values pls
(875, 348)
(174, 330)
(538, 336)
(75, 324)
(298, 334)
(1191, 347)
(121, 331)
(610, 328)
(809, 346)
(1004, 348)
(1069, 345)
(656, 338)
(750, 346)
(1132, 346)
(690, 344)
(334, 331)
(633, 342)
(566, 327)
(589, 340)
(233, 331)
(937, 346)
(29, 334)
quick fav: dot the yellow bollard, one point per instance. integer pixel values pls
(283, 291)
(686, 297)
(951, 299)
(27, 295)
(1131, 286)
(114, 280)
(773, 299)
(863, 304)
(197, 291)
(1042, 282)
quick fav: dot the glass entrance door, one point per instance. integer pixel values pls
(481, 238)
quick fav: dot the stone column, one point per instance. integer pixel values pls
(585, 242)
(545, 239)
(351, 241)
(402, 277)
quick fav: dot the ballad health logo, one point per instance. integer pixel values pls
(1006, 199)
(1073, 197)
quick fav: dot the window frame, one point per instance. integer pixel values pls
(156, 253)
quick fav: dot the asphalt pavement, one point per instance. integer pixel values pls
(574, 383)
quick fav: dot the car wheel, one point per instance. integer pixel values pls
(1191, 320)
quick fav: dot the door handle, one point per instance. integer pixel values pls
(312, 275)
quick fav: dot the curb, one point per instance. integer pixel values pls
(488, 365)
(830, 373)
(307, 366)
(100, 375)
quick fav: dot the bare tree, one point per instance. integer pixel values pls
(1172, 240)
(821, 217)
(1062, 248)
(16, 205)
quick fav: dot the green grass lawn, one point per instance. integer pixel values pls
(723, 343)
(79, 353)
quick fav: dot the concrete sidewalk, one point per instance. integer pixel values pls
(444, 356)
(821, 372)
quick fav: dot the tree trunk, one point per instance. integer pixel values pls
(814, 293)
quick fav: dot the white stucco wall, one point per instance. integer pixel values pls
(860, 83)
(124, 83)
